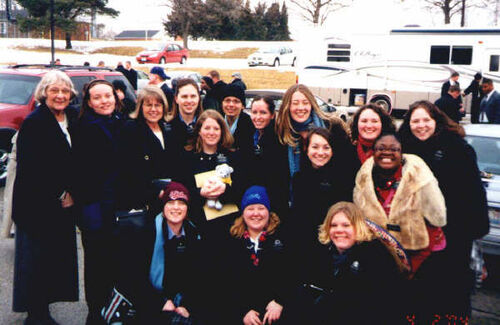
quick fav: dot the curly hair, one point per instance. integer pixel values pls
(385, 119)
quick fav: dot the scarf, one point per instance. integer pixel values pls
(157, 268)
(365, 149)
(233, 127)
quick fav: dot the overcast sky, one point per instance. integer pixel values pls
(362, 16)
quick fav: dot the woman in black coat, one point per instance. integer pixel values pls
(327, 177)
(97, 165)
(45, 268)
(259, 263)
(358, 279)
(148, 152)
(239, 123)
(211, 149)
(430, 134)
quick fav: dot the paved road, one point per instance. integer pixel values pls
(485, 302)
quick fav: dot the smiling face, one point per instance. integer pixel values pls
(342, 232)
(175, 212)
(256, 217)
(260, 115)
(210, 133)
(300, 107)
(422, 125)
(319, 151)
(58, 96)
(232, 106)
(187, 98)
(101, 99)
(369, 125)
(387, 153)
(152, 109)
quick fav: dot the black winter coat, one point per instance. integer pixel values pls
(363, 288)
(450, 106)
(183, 260)
(238, 82)
(183, 133)
(169, 93)
(271, 279)
(46, 258)
(243, 135)
(143, 159)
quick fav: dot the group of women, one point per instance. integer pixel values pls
(320, 223)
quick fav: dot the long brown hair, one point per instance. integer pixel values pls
(86, 96)
(385, 119)
(226, 139)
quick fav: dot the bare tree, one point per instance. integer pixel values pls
(317, 11)
(450, 8)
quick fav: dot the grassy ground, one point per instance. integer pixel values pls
(239, 53)
(253, 78)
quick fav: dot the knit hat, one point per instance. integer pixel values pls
(175, 191)
(208, 81)
(237, 75)
(255, 195)
(232, 90)
(160, 72)
(119, 85)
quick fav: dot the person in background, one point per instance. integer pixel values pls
(366, 125)
(57, 62)
(453, 81)
(325, 178)
(259, 263)
(218, 87)
(128, 105)
(450, 105)
(101, 64)
(131, 74)
(299, 112)
(157, 77)
(429, 133)
(120, 68)
(239, 123)
(209, 101)
(97, 164)
(45, 266)
(238, 80)
(187, 109)
(353, 269)
(400, 193)
(86, 64)
(7, 222)
(490, 104)
(475, 90)
(163, 283)
(148, 150)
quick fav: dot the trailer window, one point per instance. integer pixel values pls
(494, 62)
(461, 55)
(339, 53)
(440, 54)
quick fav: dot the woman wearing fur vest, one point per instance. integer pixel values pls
(400, 193)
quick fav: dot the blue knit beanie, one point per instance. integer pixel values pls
(255, 195)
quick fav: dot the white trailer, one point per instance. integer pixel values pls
(396, 68)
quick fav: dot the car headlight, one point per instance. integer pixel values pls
(494, 214)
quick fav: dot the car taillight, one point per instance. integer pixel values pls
(494, 214)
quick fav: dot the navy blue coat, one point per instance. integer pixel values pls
(492, 107)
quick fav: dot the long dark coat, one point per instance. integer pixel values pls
(46, 259)
(450, 106)
(142, 159)
(243, 134)
(453, 162)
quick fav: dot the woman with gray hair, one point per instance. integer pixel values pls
(45, 269)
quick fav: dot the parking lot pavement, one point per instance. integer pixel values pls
(485, 302)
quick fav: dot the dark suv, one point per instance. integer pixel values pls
(17, 87)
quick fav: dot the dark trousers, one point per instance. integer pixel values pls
(99, 264)
(474, 111)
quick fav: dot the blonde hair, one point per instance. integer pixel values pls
(355, 216)
(150, 92)
(226, 139)
(238, 228)
(283, 126)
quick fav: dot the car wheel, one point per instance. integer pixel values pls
(183, 60)
(4, 159)
(276, 63)
(162, 60)
(293, 63)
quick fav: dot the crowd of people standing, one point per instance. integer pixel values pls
(314, 221)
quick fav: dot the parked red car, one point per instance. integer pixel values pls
(161, 54)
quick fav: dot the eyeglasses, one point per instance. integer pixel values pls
(55, 91)
(391, 149)
(234, 101)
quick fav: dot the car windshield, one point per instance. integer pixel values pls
(156, 47)
(17, 89)
(269, 50)
(488, 153)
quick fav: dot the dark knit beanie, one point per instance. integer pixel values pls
(208, 81)
(255, 195)
(175, 191)
(232, 90)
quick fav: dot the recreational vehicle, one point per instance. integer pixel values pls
(395, 69)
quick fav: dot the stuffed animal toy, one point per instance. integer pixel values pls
(222, 175)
